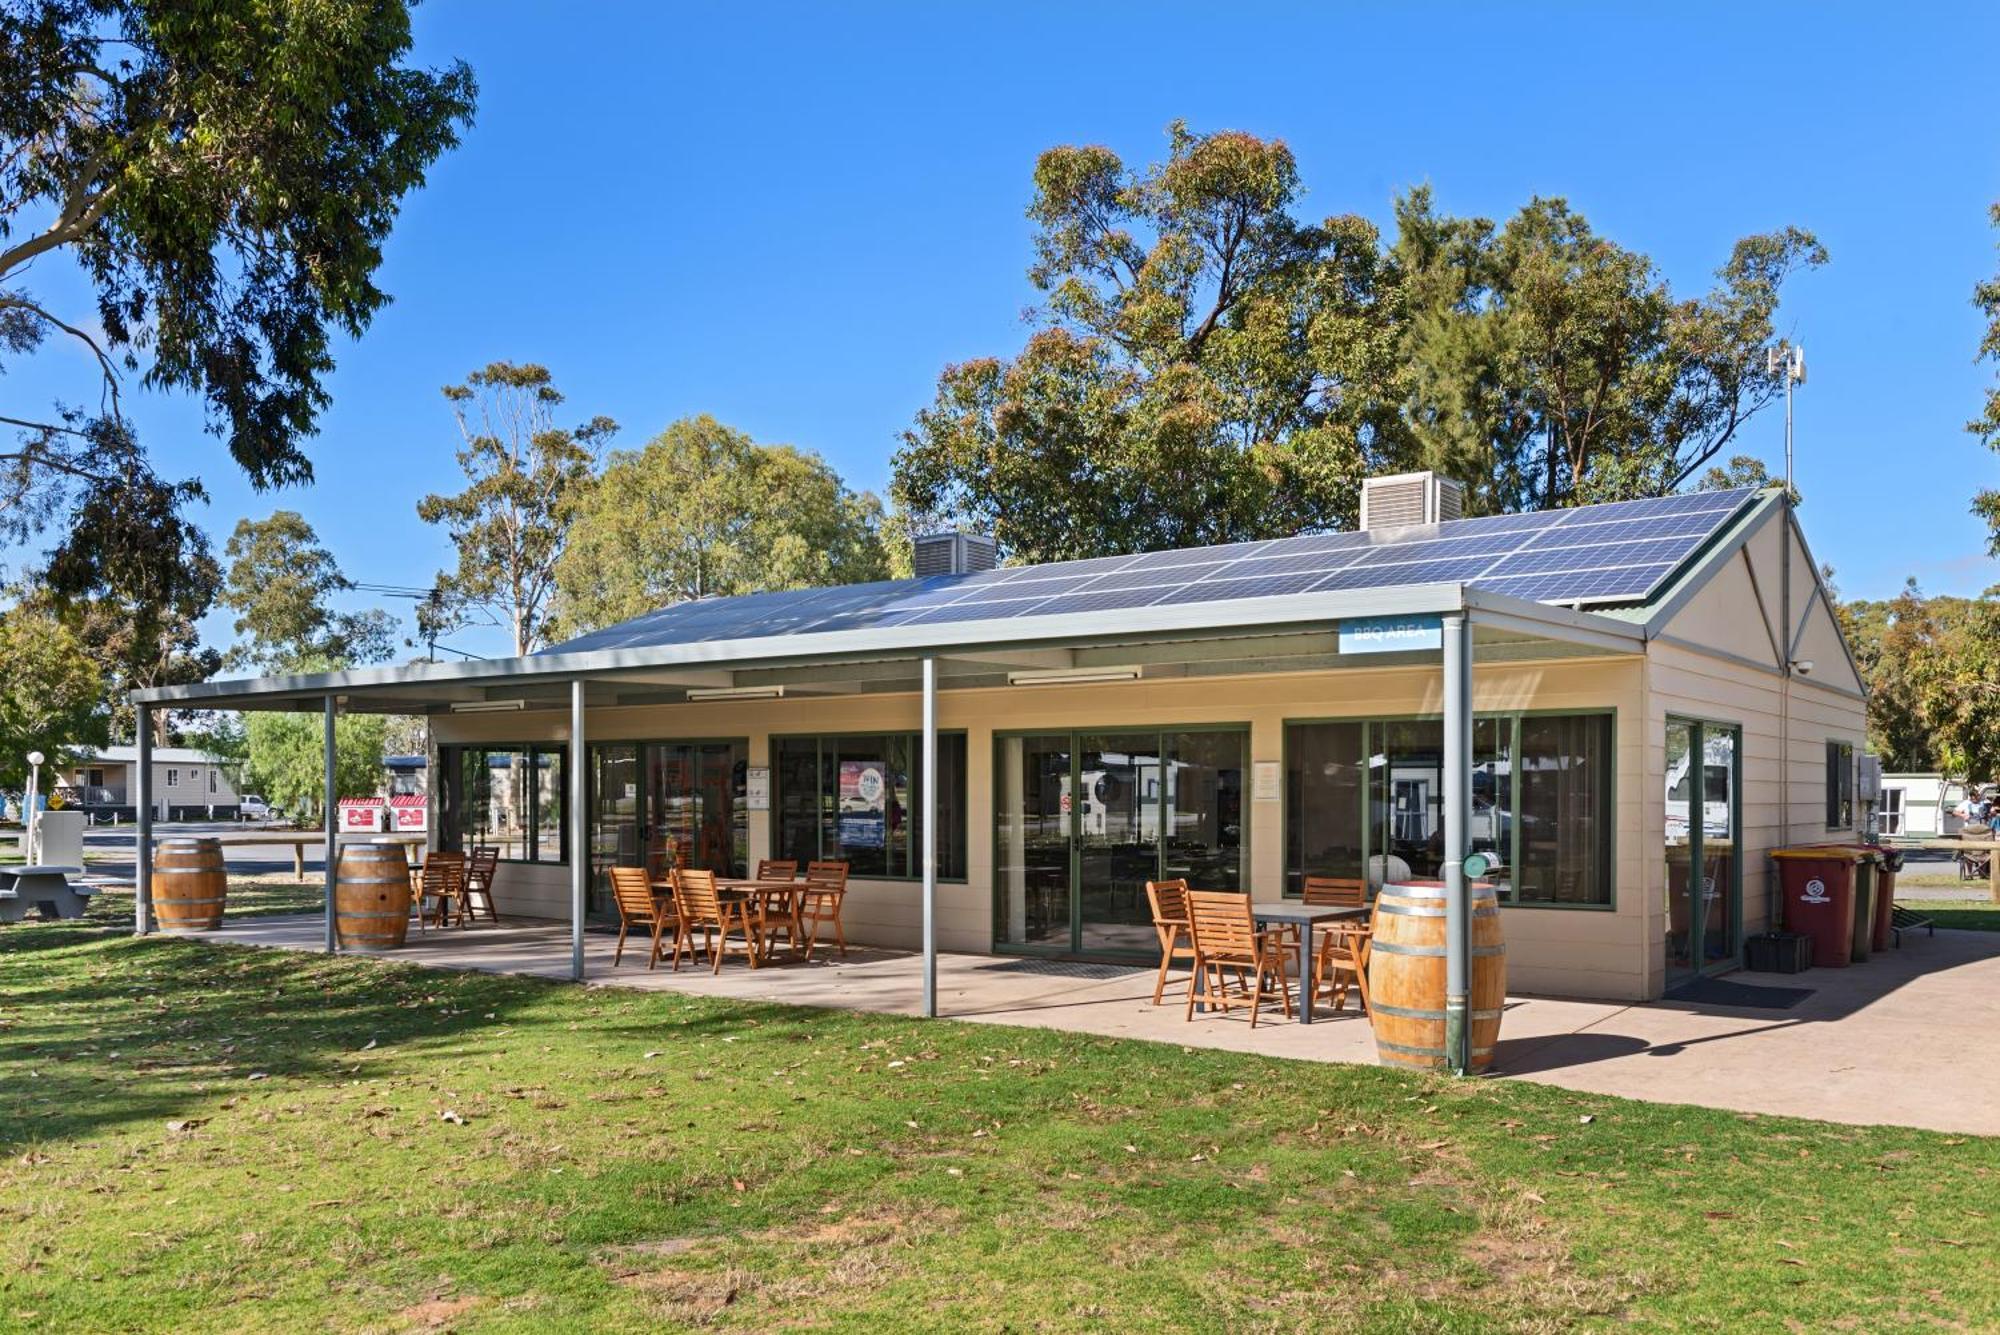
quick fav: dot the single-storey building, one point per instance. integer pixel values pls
(1624, 705)
(188, 783)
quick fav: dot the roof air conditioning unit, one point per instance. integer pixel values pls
(954, 553)
(1402, 499)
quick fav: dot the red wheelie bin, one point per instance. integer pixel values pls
(1818, 884)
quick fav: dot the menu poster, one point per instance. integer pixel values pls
(757, 788)
(864, 804)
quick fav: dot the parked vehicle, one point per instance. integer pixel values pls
(253, 807)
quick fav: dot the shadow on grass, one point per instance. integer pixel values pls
(99, 1029)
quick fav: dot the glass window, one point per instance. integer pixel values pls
(855, 798)
(507, 797)
(1325, 767)
(1369, 794)
(1839, 785)
(1565, 810)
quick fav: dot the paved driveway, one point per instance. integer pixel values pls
(1906, 1038)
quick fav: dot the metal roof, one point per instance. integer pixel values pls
(717, 642)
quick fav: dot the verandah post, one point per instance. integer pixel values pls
(142, 808)
(328, 801)
(1457, 823)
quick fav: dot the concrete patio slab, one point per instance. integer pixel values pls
(1903, 1039)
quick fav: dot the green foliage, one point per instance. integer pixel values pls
(51, 692)
(279, 583)
(224, 175)
(703, 510)
(1986, 426)
(286, 759)
(525, 478)
(1932, 666)
(1210, 367)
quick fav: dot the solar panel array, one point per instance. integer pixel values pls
(1619, 552)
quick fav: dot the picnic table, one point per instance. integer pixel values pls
(1305, 917)
(45, 887)
(300, 840)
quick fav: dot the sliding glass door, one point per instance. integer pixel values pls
(662, 804)
(1084, 820)
(1703, 855)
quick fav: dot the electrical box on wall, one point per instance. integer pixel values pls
(1868, 778)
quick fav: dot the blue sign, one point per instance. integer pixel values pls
(1391, 635)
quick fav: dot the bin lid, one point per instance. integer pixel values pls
(1824, 853)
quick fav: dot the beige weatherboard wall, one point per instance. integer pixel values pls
(1567, 951)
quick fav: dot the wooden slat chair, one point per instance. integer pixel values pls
(780, 909)
(632, 891)
(1341, 962)
(820, 906)
(480, 869)
(1170, 919)
(703, 908)
(1226, 938)
(1343, 892)
(444, 888)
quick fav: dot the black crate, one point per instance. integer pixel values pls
(1778, 952)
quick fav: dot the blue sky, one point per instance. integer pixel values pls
(793, 216)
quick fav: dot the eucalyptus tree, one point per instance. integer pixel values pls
(525, 475)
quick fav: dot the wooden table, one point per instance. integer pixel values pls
(301, 840)
(1305, 917)
(743, 887)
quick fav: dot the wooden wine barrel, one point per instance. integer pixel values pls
(371, 896)
(190, 884)
(1406, 975)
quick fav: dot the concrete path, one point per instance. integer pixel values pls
(1906, 1038)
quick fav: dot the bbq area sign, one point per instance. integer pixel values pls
(1391, 635)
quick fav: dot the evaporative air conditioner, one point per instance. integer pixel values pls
(1402, 499)
(954, 553)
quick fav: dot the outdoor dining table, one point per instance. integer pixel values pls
(1305, 917)
(743, 887)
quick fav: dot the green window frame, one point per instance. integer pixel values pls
(1498, 746)
(807, 820)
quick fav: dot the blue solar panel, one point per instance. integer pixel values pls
(1619, 552)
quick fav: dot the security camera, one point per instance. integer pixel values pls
(1803, 667)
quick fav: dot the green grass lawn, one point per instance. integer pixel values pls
(1966, 915)
(217, 1137)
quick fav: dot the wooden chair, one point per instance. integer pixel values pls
(1343, 892)
(1342, 962)
(826, 891)
(781, 910)
(632, 891)
(1226, 938)
(444, 887)
(1170, 920)
(480, 869)
(702, 907)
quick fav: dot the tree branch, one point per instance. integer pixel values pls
(103, 361)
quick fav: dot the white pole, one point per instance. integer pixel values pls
(579, 830)
(928, 782)
(329, 799)
(142, 848)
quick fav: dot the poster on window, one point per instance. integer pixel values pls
(864, 805)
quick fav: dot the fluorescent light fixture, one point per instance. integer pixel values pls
(1073, 676)
(487, 706)
(736, 693)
